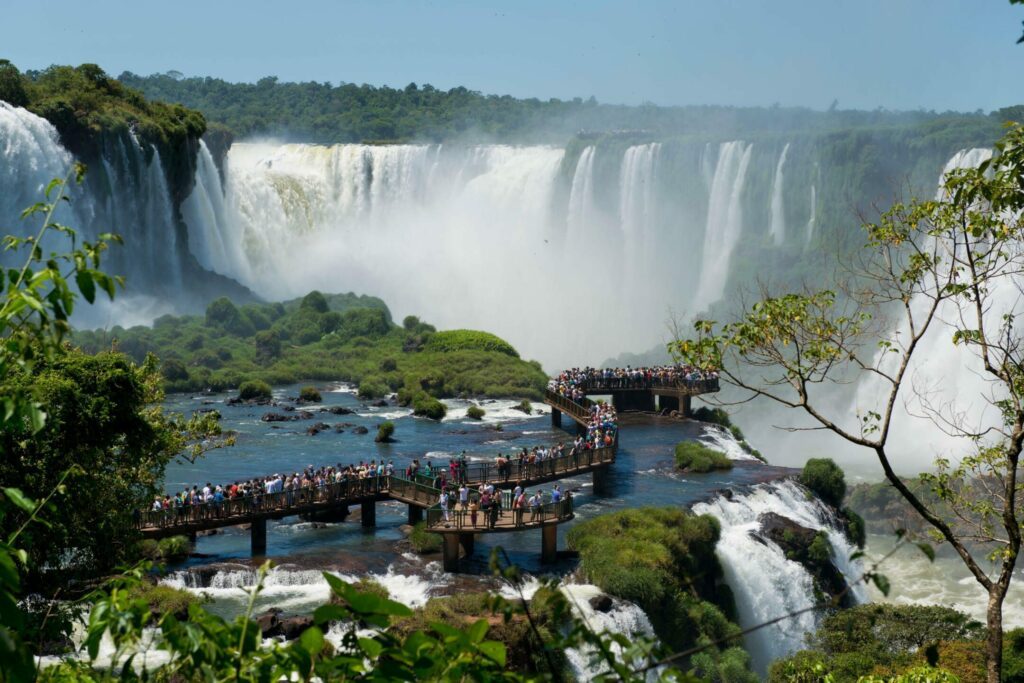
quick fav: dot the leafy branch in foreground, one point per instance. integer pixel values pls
(38, 298)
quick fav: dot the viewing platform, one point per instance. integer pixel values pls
(419, 493)
(630, 394)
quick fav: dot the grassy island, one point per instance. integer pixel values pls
(337, 337)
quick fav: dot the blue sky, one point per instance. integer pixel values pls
(897, 54)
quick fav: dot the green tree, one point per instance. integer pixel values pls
(947, 267)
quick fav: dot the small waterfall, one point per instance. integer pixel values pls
(766, 584)
(581, 199)
(725, 220)
(720, 439)
(624, 618)
(813, 220)
(636, 217)
(778, 224)
(213, 235)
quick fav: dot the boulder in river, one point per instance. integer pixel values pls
(601, 603)
(360, 430)
(809, 548)
(337, 410)
(317, 428)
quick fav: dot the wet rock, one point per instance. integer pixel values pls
(380, 403)
(337, 410)
(292, 627)
(601, 603)
(277, 417)
(360, 430)
(269, 622)
(811, 549)
(315, 429)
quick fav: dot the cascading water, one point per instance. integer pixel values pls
(581, 198)
(636, 216)
(765, 583)
(946, 376)
(813, 220)
(778, 225)
(725, 220)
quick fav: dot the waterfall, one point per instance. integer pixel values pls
(778, 224)
(813, 220)
(581, 199)
(624, 618)
(636, 219)
(765, 583)
(947, 376)
(213, 236)
(725, 220)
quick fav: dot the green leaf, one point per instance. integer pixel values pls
(928, 550)
(478, 630)
(86, 285)
(20, 499)
(493, 650)
(882, 583)
(371, 647)
(312, 640)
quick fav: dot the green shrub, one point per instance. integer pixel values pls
(149, 549)
(174, 370)
(714, 415)
(174, 547)
(310, 395)
(314, 301)
(223, 314)
(166, 599)
(855, 527)
(372, 387)
(384, 432)
(825, 479)
(694, 456)
(425, 405)
(424, 542)
(525, 407)
(469, 340)
(254, 390)
(387, 364)
(475, 413)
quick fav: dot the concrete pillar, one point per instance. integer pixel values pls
(451, 552)
(685, 407)
(668, 403)
(192, 538)
(602, 485)
(549, 543)
(415, 514)
(258, 537)
(467, 541)
(556, 417)
(368, 514)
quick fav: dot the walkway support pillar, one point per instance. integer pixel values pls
(556, 417)
(549, 543)
(467, 541)
(415, 514)
(258, 537)
(685, 407)
(368, 514)
(670, 403)
(451, 552)
(602, 485)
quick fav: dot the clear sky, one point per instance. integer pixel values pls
(897, 54)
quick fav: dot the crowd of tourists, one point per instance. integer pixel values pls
(297, 488)
(487, 504)
(575, 383)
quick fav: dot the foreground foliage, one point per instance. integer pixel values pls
(887, 641)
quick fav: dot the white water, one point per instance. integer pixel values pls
(720, 439)
(581, 199)
(623, 618)
(949, 378)
(812, 222)
(766, 584)
(778, 225)
(725, 220)
(301, 591)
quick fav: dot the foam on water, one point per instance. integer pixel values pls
(720, 439)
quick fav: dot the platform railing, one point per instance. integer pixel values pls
(689, 386)
(482, 520)
(580, 411)
(257, 503)
(513, 470)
